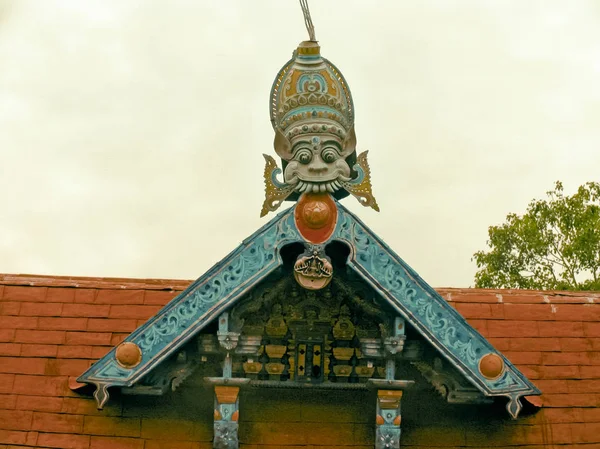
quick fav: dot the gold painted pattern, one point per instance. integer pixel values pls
(363, 191)
(274, 195)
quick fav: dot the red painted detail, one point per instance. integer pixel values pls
(316, 216)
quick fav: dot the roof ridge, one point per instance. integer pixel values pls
(40, 280)
(133, 283)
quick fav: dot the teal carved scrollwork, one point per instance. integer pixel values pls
(375, 263)
(179, 320)
(425, 309)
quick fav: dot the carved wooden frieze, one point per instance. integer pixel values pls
(309, 336)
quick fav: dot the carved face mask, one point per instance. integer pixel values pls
(316, 162)
(317, 165)
(312, 114)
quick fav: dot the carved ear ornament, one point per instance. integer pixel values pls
(360, 187)
(275, 191)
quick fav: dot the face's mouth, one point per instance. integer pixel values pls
(331, 185)
(330, 179)
(316, 187)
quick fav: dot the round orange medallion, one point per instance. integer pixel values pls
(491, 366)
(316, 216)
(128, 355)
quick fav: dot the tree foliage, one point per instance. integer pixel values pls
(555, 245)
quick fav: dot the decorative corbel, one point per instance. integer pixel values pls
(227, 388)
(388, 419)
(389, 392)
(226, 417)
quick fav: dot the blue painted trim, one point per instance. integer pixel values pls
(200, 303)
(258, 256)
(424, 308)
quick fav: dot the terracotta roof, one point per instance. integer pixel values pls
(53, 328)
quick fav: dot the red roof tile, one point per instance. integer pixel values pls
(52, 328)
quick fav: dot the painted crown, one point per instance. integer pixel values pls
(310, 95)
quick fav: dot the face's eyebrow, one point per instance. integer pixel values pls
(335, 143)
(301, 143)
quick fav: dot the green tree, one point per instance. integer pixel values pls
(555, 245)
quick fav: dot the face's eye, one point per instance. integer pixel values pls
(329, 155)
(304, 156)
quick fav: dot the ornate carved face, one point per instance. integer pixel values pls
(316, 162)
(317, 165)
(312, 113)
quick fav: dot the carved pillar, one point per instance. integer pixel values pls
(227, 390)
(226, 417)
(387, 422)
(389, 390)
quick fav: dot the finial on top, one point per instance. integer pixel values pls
(308, 20)
(312, 114)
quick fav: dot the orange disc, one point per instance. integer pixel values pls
(491, 366)
(128, 354)
(316, 216)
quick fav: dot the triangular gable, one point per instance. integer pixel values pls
(428, 312)
(259, 255)
(195, 307)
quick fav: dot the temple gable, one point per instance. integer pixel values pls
(253, 321)
(314, 300)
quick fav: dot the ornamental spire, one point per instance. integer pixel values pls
(312, 114)
(308, 20)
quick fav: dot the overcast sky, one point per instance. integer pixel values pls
(131, 132)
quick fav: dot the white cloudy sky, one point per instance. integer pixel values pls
(131, 131)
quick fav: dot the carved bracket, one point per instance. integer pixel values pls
(167, 377)
(449, 384)
(226, 417)
(388, 419)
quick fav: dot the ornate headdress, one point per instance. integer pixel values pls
(311, 95)
(312, 114)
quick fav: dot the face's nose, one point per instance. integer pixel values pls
(317, 165)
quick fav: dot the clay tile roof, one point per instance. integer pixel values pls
(52, 328)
